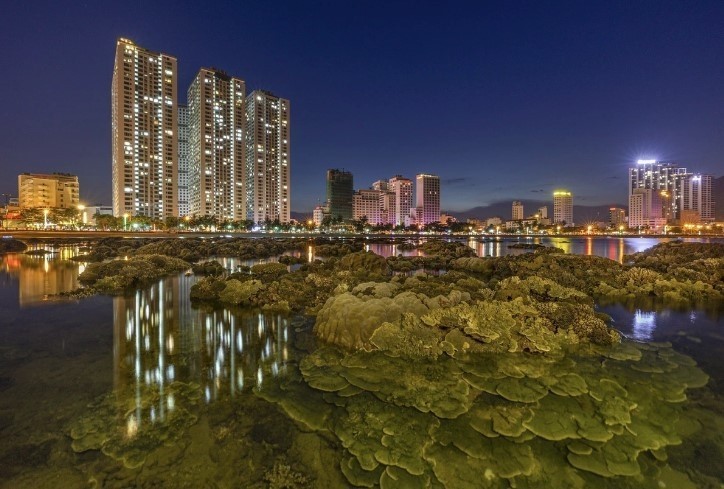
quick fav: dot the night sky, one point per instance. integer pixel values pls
(504, 100)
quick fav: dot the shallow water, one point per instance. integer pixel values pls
(203, 397)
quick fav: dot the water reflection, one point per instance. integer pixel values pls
(41, 276)
(159, 339)
(644, 324)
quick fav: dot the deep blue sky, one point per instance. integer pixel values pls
(503, 100)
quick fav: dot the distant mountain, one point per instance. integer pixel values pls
(581, 213)
(717, 195)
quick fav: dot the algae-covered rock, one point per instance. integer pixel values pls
(141, 429)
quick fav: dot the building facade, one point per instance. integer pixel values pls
(695, 198)
(54, 190)
(427, 199)
(144, 120)
(563, 208)
(645, 209)
(216, 145)
(616, 217)
(367, 204)
(267, 157)
(517, 212)
(402, 188)
(340, 194)
(660, 176)
(183, 161)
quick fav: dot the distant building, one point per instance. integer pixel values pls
(696, 196)
(144, 127)
(91, 211)
(381, 185)
(55, 190)
(517, 210)
(645, 210)
(367, 203)
(427, 199)
(389, 207)
(659, 176)
(402, 188)
(493, 221)
(183, 161)
(563, 207)
(318, 215)
(543, 212)
(267, 157)
(616, 217)
(216, 146)
(340, 192)
(448, 219)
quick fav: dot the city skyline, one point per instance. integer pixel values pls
(382, 118)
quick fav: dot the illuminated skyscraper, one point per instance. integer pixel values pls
(659, 176)
(427, 198)
(216, 145)
(402, 188)
(267, 159)
(144, 120)
(183, 161)
(340, 189)
(695, 199)
(563, 207)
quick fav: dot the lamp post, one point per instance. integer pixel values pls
(45, 218)
(125, 221)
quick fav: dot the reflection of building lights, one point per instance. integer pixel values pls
(131, 426)
(644, 324)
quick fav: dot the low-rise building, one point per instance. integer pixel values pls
(48, 190)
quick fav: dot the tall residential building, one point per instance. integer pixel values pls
(695, 200)
(340, 191)
(268, 186)
(402, 188)
(144, 119)
(388, 204)
(56, 190)
(563, 207)
(427, 198)
(367, 203)
(183, 161)
(616, 217)
(645, 209)
(517, 210)
(216, 145)
(660, 176)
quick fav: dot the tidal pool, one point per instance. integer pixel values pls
(146, 391)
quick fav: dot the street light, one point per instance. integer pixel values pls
(125, 220)
(45, 218)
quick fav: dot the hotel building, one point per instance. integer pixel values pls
(563, 207)
(427, 199)
(144, 120)
(402, 188)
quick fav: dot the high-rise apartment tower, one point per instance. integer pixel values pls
(216, 145)
(267, 160)
(144, 120)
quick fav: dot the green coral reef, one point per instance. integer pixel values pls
(499, 373)
(118, 275)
